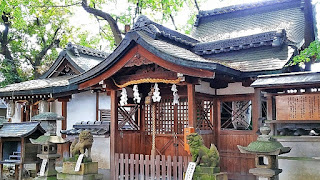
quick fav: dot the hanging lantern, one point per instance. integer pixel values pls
(175, 94)
(156, 94)
(136, 95)
(124, 97)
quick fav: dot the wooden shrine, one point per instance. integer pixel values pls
(16, 148)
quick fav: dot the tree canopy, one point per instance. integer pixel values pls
(31, 31)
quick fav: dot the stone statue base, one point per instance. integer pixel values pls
(209, 173)
(88, 171)
(79, 177)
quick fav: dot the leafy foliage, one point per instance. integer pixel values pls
(311, 53)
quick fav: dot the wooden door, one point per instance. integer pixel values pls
(235, 127)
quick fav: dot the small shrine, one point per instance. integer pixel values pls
(266, 150)
(15, 146)
(48, 143)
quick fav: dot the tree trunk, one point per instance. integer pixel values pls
(106, 16)
(8, 61)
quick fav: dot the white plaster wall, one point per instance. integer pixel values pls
(82, 107)
(100, 151)
(204, 87)
(104, 101)
(235, 88)
(17, 113)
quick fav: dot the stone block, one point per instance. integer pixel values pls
(85, 168)
(207, 170)
(63, 176)
(206, 176)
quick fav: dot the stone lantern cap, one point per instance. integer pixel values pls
(265, 144)
(44, 139)
(47, 116)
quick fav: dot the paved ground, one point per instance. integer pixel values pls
(105, 172)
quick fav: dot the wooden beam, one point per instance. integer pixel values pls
(113, 130)
(23, 154)
(111, 71)
(64, 113)
(192, 114)
(151, 57)
(97, 106)
(256, 109)
(174, 67)
(1, 159)
(269, 108)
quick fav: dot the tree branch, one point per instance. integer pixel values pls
(46, 48)
(174, 24)
(106, 16)
(58, 6)
(197, 6)
(29, 59)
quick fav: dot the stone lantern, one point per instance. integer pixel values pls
(266, 150)
(48, 143)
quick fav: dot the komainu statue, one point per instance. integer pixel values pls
(200, 153)
(84, 142)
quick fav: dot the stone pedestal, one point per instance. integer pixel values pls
(88, 171)
(209, 173)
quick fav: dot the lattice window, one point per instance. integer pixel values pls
(129, 114)
(204, 113)
(183, 117)
(236, 115)
(169, 118)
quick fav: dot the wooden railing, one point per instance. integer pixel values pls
(141, 167)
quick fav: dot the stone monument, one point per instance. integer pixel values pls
(266, 150)
(80, 166)
(207, 160)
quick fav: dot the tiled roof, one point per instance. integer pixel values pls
(289, 17)
(238, 7)
(86, 58)
(80, 57)
(273, 38)
(37, 84)
(260, 59)
(288, 79)
(158, 31)
(96, 128)
(20, 129)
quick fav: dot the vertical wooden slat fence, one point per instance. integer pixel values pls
(145, 167)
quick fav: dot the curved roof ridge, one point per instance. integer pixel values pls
(274, 38)
(76, 49)
(238, 7)
(155, 30)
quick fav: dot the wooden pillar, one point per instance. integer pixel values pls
(256, 109)
(1, 159)
(65, 115)
(23, 154)
(113, 130)
(192, 114)
(97, 106)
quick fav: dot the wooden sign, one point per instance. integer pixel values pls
(79, 161)
(190, 171)
(43, 166)
(298, 107)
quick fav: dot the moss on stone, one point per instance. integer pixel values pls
(264, 146)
